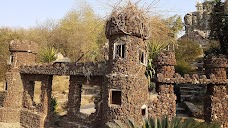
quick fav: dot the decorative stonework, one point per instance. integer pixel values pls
(123, 85)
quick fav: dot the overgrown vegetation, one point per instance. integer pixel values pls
(54, 104)
(165, 123)
(219, 27)
(187, 52)
(48, 55)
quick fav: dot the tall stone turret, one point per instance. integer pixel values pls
(21, 53)
(126, 91)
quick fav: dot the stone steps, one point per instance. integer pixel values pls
(192, 109)
(189, 92)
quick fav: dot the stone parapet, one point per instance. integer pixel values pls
(166, 58)
(189, 79)
(85, 69)
(23, 46)
(211, 61)
(215, 65)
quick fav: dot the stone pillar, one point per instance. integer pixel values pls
(167, 99)
(216, 102)
(165, 63)
(45, 98)
(74, 96)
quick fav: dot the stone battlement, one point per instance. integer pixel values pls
(22, 46)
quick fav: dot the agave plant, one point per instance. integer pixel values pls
(154, 48)
(48, 55)
(165, 123)
(177, 123)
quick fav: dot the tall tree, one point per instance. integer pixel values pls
(219, 26)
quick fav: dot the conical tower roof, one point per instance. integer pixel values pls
(128, 21)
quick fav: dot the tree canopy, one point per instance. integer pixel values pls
(219, 26)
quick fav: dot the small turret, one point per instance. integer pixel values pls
(22, 53)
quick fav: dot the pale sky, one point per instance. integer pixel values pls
(27, 13)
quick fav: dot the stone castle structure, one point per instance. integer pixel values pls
(196, 23)
(199, 20)
(123, 91)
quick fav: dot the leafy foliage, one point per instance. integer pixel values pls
(175, 24)
(219, 25)
(48, 55)
(54, 104)
(164, 122)
(154, 49)
(186, 52)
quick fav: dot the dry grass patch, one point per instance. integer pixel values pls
(1, 86)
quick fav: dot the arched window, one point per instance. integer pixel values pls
(144, 111)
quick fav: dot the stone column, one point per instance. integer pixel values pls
(46, 89)
(165, 66)
(216, 102)
(74, 96)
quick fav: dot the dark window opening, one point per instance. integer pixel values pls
(115, 97)
(143, 112)
(6, 87)
(141, 57)
(120, 50)
(11, 59)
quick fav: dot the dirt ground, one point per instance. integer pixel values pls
(1, 87)
(10, 125)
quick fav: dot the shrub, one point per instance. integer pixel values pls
(54, 104)
(48, 55)
(165, 123)
(183, 67)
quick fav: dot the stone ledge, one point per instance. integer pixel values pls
(187, 79)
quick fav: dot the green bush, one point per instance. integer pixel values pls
(54, 104)
(183, 67)
(165, 123)
(48, 55)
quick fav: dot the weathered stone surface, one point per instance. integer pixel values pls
(121, 78)
(86, 69)
(129, 21)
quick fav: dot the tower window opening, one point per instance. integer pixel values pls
(6, 86)
(119, 50)
(142, 59)
(143, 112)
(11, 59)
(115, 97)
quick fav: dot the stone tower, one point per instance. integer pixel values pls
(21, 53)
(126, 87)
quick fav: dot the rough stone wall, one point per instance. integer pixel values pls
(89, 69)
(74, 102)
(216, 102)
(36, 111)
(164, 104)
(30, 119)
(127, 75)
(23, 52)
(22, 58)
(23, 46)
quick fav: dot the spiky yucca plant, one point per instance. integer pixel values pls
(165, 123)
(47, 55)
(154, 48)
